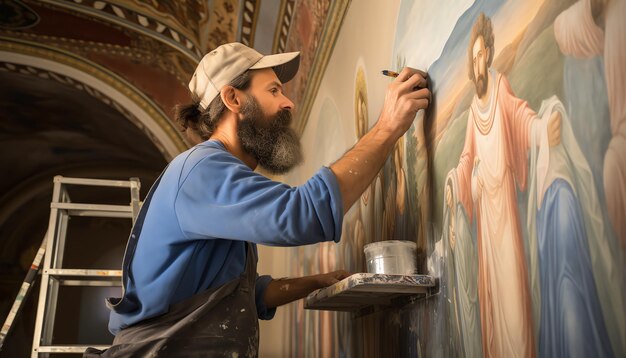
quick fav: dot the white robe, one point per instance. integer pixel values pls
(499, 137)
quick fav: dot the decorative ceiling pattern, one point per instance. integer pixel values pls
(248, 24)
(223, 23)
(16, 15)
(162, 22)
(314, 28)
(282, 25)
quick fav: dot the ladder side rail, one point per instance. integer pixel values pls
(45, 279)
(53, 292)
(61, 233)
(59, 251)
(22, 294)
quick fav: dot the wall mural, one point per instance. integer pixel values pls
(532, 216)
(515, 190)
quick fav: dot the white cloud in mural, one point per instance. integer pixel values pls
(429, 28)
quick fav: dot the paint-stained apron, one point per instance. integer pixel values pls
(220, 322)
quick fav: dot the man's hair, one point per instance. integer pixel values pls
(482, 28)
(203, 121)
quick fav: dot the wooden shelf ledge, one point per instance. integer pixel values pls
(362, 290)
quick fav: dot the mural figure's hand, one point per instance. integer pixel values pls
(477, 180)
(451, 231)
(554, 129)
(407, 94)
(449, 196)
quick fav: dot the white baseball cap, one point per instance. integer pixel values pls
(222, 65)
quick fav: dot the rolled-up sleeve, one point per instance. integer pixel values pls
(261, 285)
(223, 198)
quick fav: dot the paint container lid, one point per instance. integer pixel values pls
(391, 257)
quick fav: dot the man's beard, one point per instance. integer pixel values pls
(275, 146)
(481, 85)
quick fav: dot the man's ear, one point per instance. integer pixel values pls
(232, 98)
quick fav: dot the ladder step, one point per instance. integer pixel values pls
(90, 283)
(67, 349)
(91, 207)
(82, 277)
(93, 182)
(84, 273)
(98, 210)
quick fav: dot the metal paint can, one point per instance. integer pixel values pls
(392, 257)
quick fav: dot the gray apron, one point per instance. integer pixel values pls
(220, 322)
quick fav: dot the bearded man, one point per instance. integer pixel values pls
(189, 272)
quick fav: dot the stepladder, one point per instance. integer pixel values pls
(55, 275)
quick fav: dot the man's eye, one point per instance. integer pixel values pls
(274, 90)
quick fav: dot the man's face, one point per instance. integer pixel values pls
(264, 129)
(480, 55)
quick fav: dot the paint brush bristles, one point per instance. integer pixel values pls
(390, 73)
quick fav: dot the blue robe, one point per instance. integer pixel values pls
(572, 324)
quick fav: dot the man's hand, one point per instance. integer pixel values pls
(405, 96)
(282, 291)
(358, 167)
(331, 278)
(554, 129)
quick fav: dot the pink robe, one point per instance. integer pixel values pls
(578, 35)
(499, 137)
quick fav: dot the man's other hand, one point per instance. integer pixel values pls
(331, 278)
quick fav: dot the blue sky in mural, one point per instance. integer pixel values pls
(456, 46)
(434, 36)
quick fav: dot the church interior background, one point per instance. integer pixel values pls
(522, 234)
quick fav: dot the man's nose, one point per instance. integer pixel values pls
(287, 104)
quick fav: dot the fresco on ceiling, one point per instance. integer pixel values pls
(189, 13)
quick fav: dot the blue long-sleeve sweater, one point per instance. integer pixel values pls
(207, 205)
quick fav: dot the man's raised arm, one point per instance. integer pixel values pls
(358, 167)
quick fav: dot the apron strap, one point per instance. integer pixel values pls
(119, 304)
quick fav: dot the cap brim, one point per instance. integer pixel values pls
(284, 64)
